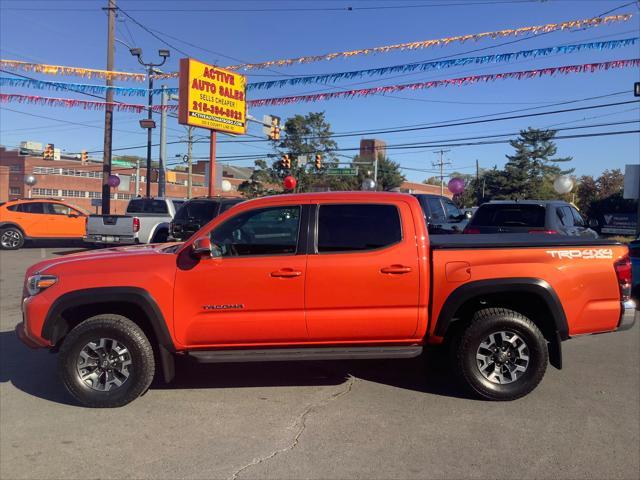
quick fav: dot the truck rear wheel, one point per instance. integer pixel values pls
(502, 355)
(106, 361)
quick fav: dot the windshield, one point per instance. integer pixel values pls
(197, 210)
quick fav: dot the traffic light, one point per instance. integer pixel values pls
(47, 153)
(318, 161)
(84, 156)
(286, 162)
(274, 129)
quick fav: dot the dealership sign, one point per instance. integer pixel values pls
(619, 223)
(212, 97)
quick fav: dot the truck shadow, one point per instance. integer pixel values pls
(35, 373)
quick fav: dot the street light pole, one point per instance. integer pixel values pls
(108, 111)
(164, 54)
(149, 115)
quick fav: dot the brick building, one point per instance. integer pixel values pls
(79, 183)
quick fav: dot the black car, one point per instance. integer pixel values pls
(441, 214)
(530, 216)
(198, 212)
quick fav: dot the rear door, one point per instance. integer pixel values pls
(363, 277)
(32, 219)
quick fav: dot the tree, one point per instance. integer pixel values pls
(530, 172)
(596, 197)
(304, 137)
(389, 174)
(432, 181)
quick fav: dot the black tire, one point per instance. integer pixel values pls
(491, 321)
(127, 334)
(11, 238)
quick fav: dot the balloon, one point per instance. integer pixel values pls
(563, 184)
(456, 185)
(113, 181)
(225, 186)
(289, 182)
(368, 184)
(30, 180)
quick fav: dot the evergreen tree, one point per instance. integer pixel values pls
(530, 172)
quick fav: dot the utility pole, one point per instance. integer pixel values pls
(441, 163)
(108, 111)
(212, 163)
(189, 162)
(163, 142)
(149, 117)
(137, 177)
(477, 182)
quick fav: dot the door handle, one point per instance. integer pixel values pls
(286, 273)
(396, 269)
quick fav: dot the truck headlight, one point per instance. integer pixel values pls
(37, 283)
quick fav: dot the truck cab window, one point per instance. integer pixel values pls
(352, 228)
(266, 231)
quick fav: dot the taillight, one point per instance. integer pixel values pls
(623, 272)
(136, 224)
(471, 230)
(545, 232)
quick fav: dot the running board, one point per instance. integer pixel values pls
(298, 354)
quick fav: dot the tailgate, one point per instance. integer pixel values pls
(113, 225)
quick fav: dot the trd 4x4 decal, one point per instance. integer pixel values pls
(588, 254)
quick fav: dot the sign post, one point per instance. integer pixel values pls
(213, 98)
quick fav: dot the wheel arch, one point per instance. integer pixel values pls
(532, 297)
(135, 303)
(12, 224)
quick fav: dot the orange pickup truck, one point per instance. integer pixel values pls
(323, 276)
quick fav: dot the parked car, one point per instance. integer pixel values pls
(197, 212)
(442, 215)
(338, 275)
(529, 216)
(38, 219)
(146, 221)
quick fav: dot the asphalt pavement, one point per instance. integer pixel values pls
(395, 419)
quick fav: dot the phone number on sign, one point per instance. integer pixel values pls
(216, 110)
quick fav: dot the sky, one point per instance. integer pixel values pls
(74, 33)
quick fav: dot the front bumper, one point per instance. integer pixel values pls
(22, 336)
(628, 316)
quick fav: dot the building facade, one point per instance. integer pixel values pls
(80, 183)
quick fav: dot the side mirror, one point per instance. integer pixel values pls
(201, 248)
(593, 223)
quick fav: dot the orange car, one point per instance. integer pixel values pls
(338, 275)
(38, 219)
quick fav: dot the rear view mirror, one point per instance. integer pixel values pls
(201, 248)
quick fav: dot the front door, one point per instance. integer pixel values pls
(252, 291)
(65, 222)
(363, 281)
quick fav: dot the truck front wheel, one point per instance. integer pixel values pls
(501, 355)
(106, 361)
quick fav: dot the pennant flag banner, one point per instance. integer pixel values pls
(73, 71)
(533, 30)
(85, 104)
(543, 72)
(438, 65)
(461, 81)
(79, 87)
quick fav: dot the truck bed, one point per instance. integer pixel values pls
(506, 240)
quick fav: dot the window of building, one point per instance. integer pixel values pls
(265, 231)
(349, 228)
(14, 191)
(74, 193)
(44, 192)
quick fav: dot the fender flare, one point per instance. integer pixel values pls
(55, 326)
(12, 224)
(534, 286)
